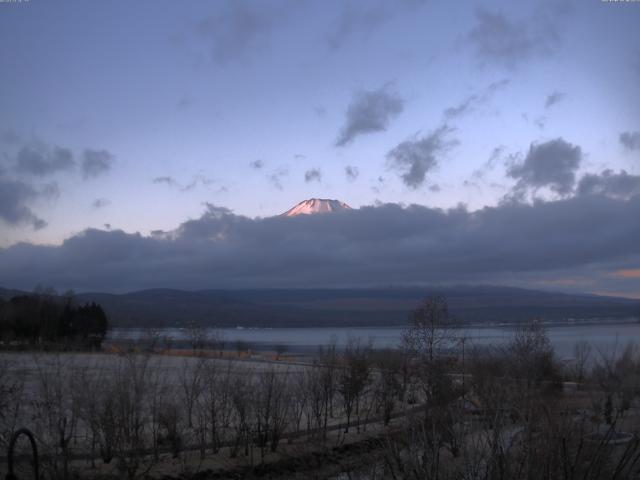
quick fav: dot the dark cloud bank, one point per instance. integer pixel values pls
(590, 234)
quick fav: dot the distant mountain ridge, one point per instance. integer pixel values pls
(314, 206)
(346, 307)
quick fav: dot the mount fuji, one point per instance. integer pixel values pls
(313, 206)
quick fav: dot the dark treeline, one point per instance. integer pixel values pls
(43, 318)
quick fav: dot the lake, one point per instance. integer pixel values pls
(607, 338)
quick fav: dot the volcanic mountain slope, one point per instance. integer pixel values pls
(316, 205)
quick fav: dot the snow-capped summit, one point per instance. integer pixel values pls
(316, 205)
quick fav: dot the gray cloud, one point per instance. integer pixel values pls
(472, 102)
(370, 111)
(184, 103)
(385, 244)
(202, 180)
(312, 175)
(321, 112)
(10, 137)
(257, 164)
(616, 185)
(40, 160)
(166, 180)
(49, 191)
(15, 197)
(635, 61)
(172, 182)
(96, 163)
(275, 178)
(630, 140)
(379, 185)
(100, 203)
(503, 42)
(418, 156)
(239, 29)
(351, 172)
(551, 164)
(540, 122)
(363, 18)
(496, 155)
(554, 98)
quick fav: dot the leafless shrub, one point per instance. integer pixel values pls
(169, 423)
(618, 377)
(582, 353)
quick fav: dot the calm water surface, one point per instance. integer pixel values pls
(607, 338)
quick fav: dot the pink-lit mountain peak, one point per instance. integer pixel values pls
(316, 205)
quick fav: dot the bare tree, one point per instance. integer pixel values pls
(95, 407)
(532, 359)
(388, 381)
(54, 412)
(270, 410)
(11, 401)
(280, 349)
(191, 383)
(217, 340)
(430, 330)
(241, 347)
(243, 403)
(321, 381)
(353, 378)
(299, 400)
(130, 388)
(216, 404)
(581, 353)
(198, 336)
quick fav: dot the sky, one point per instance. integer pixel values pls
(151, 143)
